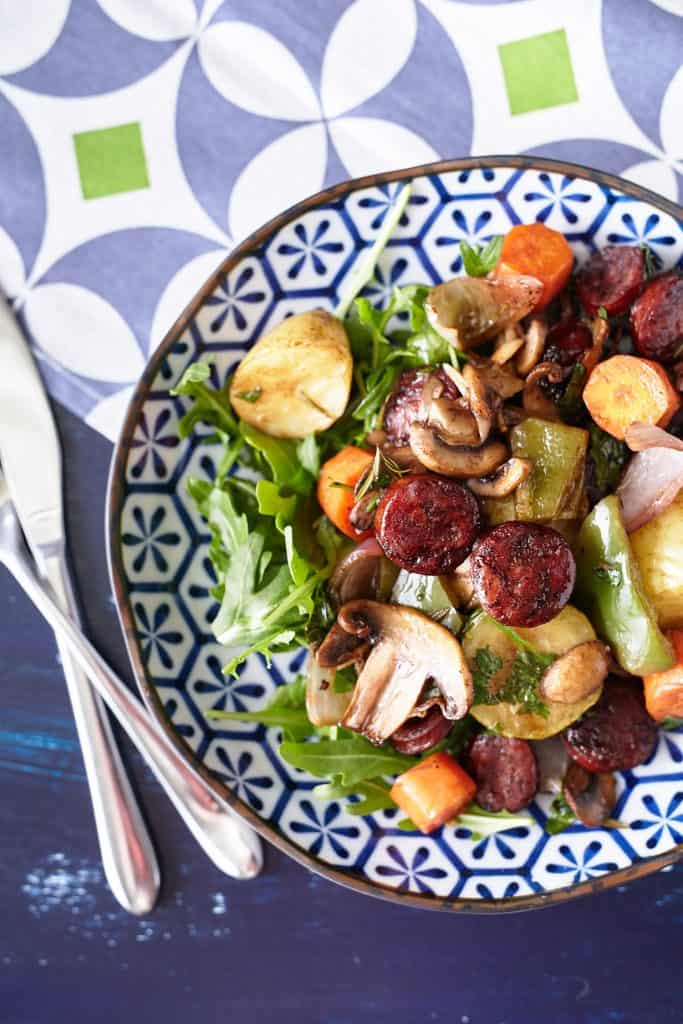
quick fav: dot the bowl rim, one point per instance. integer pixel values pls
(114, 505)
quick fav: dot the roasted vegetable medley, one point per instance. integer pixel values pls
(468, 505)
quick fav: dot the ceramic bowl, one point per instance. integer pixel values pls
(162, 576)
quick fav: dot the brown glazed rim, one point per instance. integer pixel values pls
(115, 497)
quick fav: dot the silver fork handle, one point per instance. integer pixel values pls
(228, 841)
(128, 857)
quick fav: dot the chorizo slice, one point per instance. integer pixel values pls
(523, 573)
(616, 734)
(612, 278)
(427, 523)
(505, 772)
(657, 318)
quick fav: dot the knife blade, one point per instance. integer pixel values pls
(32, 463)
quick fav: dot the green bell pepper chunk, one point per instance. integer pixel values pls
(427, 594)
(610, 591)
(554, 489)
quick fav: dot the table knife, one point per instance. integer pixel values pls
(31, 459)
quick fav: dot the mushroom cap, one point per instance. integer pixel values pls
(408, 649)
(576, 674)
(457, 462)
(466, 311)
(591, 795)
(503, 481)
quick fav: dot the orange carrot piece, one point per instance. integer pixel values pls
(434, 791)
(664, 690)
(540, 252)
(338, 477)
(625, 390)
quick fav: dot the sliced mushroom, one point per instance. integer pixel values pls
(458, 462)
(408, 648)
(324, 706)
(480, 403)
(600, 330)
(502, 380)
(469, 310)
(552, 761)
(341, 648)
(591, 795)
(508, 345)
(403, 456)
(534, 345)
(450, 417)
(534, 399)
(357, 573)
(504, 481)
(582, 670)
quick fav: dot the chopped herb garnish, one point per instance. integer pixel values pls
(561, 816)
(250, 396)
(480, 260)
(602, 313)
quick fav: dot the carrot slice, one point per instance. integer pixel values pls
(540, 252)
(434, 791)
(625, 390)
(338, 477)
(664, 690)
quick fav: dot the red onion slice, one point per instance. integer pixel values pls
(653, 479)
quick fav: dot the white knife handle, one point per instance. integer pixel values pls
(228, 841)
(128, 857)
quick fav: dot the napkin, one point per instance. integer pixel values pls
(141, 141)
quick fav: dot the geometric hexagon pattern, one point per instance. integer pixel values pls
(167, 576)
(201, 119)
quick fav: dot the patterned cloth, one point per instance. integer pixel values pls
(140, 139)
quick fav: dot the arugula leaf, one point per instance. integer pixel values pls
(308, 454)
(483, 823)
(352, 760)
(281, 458)
(651, 261)
(365, 266)
(374, 795)
(345, 679)
(561, 816)
(286, 709)
(609, 457)
(481, 260)
(211, 406)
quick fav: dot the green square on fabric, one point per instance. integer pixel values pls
(538, 72)
(111, 160)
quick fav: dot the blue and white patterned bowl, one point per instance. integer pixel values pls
(162, 576)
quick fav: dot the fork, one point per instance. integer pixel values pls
(226, 840)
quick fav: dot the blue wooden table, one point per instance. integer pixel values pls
(288, 946)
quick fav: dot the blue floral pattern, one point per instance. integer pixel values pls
(310, 247)
(322, 824)
(148, 540)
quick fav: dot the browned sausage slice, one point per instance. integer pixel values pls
(523, 573)
(566, 342)
(505, 772)
(427, 523)
(616, 734)
(403, 405)
(612, 279)
(419, 734)
(657, 318)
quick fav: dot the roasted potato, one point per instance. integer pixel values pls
(297, 378)
(658, 547)
(566, 630)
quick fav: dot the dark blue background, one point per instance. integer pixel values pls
(288, 946)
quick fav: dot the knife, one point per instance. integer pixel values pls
(32, 463)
